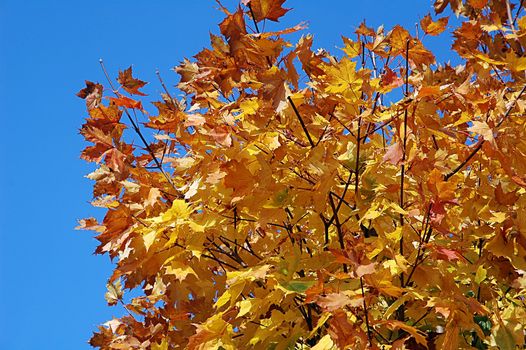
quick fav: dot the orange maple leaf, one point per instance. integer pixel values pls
(266, 9)
(129, 83)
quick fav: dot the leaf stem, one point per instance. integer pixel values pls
(165, 89)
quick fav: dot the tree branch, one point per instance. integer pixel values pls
(137, 130)
(369, 337)
(301, 122)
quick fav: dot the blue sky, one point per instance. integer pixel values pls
(51, 286)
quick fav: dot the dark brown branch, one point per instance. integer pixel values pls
(343, 200)
(481, 142)
(301, 122)
(326, 232)
(423, 238)
(220, 262)
(235, 218)
(342, 124)
(338, 229)
(308, 320)
(381, 126)
(223, 239)
(512, 105)
(366, 312)
(480, 246)
(232, 254)
(418, 261)
(302, 176)
(322, 134)
(253, 17)
(238, 219)
(461, 165)
(510, 18)
(518, 12)
(357, 164)
(401, 310)
(347, 183)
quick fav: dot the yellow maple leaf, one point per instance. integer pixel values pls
(342, 77)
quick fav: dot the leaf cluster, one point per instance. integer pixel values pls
(286, 198)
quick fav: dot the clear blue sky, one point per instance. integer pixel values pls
(51, 286)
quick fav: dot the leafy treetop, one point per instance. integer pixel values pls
(293, 199)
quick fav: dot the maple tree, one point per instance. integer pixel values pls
(293, 199)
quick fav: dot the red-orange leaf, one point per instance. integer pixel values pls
(92, 93)
(443, 253)
(390, 79)
(127, 102)
(233, 26)
(129, 83)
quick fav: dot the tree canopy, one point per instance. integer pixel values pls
(286, 198)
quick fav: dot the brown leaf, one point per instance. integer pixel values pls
(456, 6)
(129, 83)
(221, 134)
(343, 333)
(417, 334)
(266, 9)
(89, 224)
(443, 253)
(334, 301)
(504, 198)
(390, 79)
(478, 4)
(519, 180)
(363, 270)
(194, 120)
(429, 91)
(96, 135)
(233, 26)
(92, 93)
(394, 154)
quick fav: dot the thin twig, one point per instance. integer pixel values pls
(518, 12)
(342, 124)
(338, 229)
(481, 142)
(423, 238)
(165, 89)
(137, 130)
(357, 164)
(347, 183)
(510, 17)
(401, 310)
(461, 165)
(369, 337)
(301, 122)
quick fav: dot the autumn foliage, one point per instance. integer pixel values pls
(286, 198)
